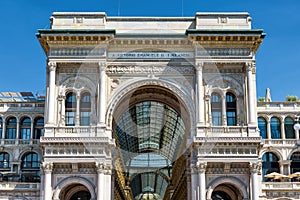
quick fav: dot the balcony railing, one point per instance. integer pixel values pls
(38, 106)
(281, 185)
(280, 142)
(19, 186)
(289, 106)
(20, 142)
(77, 131)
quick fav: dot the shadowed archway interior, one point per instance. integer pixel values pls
(150, 137)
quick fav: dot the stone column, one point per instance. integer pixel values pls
(285, 166)
(255, 169)
(251, 94)
(296, 134)
(51, 96)
(3, 128)
(17, 131)
(194, 182)
(107, 183)
(100, 182)
(269, 130)
(282, 129)
(202, 183)
(47, 167)
(200, 96)
(102, 94)
(61, 100)
(31, 131)
(77, 119)
(224, 118)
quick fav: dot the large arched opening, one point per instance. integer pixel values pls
(150, 128)
(226, 192)
(75, 191)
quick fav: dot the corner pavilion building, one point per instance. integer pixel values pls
(148, 108)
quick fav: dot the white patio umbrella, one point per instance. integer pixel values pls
(275, 175)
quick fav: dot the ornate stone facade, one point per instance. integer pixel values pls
(147, 108)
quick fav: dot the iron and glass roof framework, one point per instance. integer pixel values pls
(149, 134)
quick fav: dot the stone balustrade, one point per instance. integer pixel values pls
(17, 186)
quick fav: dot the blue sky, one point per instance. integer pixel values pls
(23, 62)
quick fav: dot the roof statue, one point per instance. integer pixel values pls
(268, 95)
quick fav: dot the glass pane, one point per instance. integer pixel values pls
(262, 127)
(216, 118)
(289, 128)
(275, 128)
(70, 118)
(25, 133)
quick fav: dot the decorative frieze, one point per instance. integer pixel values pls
(77, 52)
(243, 52)
(150, 55)
(119, 69)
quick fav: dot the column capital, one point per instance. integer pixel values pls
(47, 167)
(102, 168)
(255, 167)
(52, 65)
(61, 97)
(201, 166)
(102, 66)
(251, 66)
(199, 66)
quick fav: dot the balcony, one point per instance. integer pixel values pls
(276, 106)
(72, 131)
(24, 106)
(228, 133)
(280, 185)
(19, 142)
(280, 142)
(17, 186)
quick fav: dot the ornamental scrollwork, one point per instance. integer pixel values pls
(255, 167)
(201, 166)
(47, 167)
(52, 66)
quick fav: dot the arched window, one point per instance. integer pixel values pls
(289, 128)
(38, 128)
(230, 109)
(70, 107)
(216, 109)
(1, 127)
(270, 164)
(25, 128)
(275, 128)
(31, 167)
(11, 127)
(4, 160)
(262, 125)
(85, 109)
(295, 164)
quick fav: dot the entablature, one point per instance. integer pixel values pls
(50, 37)
(249, 39)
